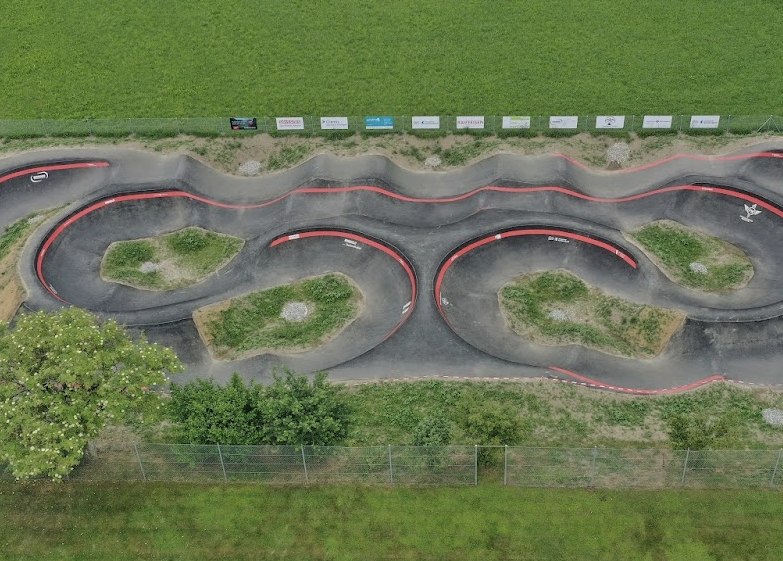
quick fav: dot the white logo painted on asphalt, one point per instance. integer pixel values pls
(750, 211)
(38, 177)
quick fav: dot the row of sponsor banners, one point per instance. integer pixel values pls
(479, 122)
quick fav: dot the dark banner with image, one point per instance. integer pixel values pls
(244, 124)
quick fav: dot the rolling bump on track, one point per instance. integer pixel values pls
(429, 251)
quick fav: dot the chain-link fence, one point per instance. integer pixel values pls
(627, 468)
(283, 465)
(437, 124)
(610, 468)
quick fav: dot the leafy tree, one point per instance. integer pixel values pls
(296, 411)
(63, 377)
(434, 430)
(698, 432)
(210, 414)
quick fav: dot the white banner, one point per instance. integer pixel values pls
(561, 122)
(334, 123)
(514, 122)
(290, 123)
(705, 121)
(610, 121)
(425, 122)
(657, 122)
(475, 122)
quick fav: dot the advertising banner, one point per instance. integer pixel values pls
(475, 122)
(425, 122)
(375, 123)
(334, 123)
(657, 122)
(705, 121)
(243, 123)
(290, 123)
(513, 122)
(610, 121)
(563, 122)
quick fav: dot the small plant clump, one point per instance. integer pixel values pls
(693, 259)
(170, 261)
(584, 316)
(253, 324)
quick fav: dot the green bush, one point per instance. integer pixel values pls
(188, 241)
(434, 430)
(292, 410)
(210, 414)
(328, 289)
(491, 422)
(699, 432)
(130, 254)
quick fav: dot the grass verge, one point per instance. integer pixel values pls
(251, 325)
(556, 414)
(174, 260)
(182, 521)
(674, 247)
(12, 292)
(558, 308)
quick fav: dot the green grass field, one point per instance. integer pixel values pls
(206, 58)
(183, 522)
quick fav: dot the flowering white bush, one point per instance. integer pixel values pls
(63, 377)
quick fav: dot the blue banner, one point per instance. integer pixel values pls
(371, 123)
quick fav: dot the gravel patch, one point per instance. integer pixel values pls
(618, 153)
(295, 311)
(773, 416)
(698, 268)
(149, 267)
(433, 161)
(250, 167)
(558, 315)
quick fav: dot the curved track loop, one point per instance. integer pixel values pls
(534, 199)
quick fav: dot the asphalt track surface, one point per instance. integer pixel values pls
(429, 250)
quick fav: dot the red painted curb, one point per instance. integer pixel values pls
(596, 384)
(54, 167)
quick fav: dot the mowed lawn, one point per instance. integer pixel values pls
(203, 58)
(179, 521)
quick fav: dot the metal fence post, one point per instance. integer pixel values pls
(138, 457)
(685, 466)
(592, 466)
(391, 470)
(475, 464)
(304, 465)
(505, 465)
(222, 465)
(775, 471)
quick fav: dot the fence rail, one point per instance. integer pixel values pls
(430, 465)
(313, 125)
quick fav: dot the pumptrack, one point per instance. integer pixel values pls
(430, 251)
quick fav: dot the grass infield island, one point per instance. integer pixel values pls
(255, 324)
(693, 259)
(132, 521)
(558, 308)
(171, 261)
